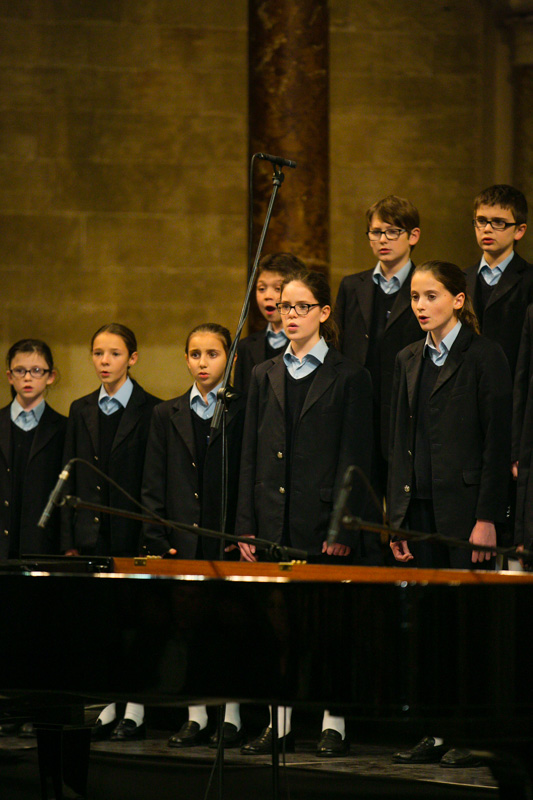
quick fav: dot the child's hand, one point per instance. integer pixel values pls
(247, 551)
(400, 550)
(336, 549)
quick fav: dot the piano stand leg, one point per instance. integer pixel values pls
(63, 760)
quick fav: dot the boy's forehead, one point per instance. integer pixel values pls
(378, 220)
(269, 275)
(494, 211)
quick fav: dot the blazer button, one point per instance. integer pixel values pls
(195, 524)
(6, 533)
(279, 454)
(409, 453)
(6, 502)
(8, 469)
(98, 488)
(194, 465)
(407, 489)
(281, 490)
(96, 458)
(196, 495)
(96, 519)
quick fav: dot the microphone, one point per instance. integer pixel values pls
(340, 505)
(55, 496)
(281, 162)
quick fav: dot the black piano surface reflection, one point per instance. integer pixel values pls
(408, 647)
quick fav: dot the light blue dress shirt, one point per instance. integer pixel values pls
(493, 275)
(26, 420)
(120, 399)
(439, 356)
(276, 338)
(395, 283)
(313, 359)
(198, 404)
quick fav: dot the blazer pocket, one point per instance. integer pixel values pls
(326, 495)
(472, 476)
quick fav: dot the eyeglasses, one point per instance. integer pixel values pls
(390, 233)
(35, 372)
(496, 224)
(302, 309)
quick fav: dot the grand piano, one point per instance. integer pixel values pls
(425, 651)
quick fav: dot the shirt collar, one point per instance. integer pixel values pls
(500, 267)
(17, 410)
(275, 338)
(198, 404)
(439, 356)
(395, 283)
(317, 354)
(122, 396)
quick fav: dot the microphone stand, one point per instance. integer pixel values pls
(276, 551)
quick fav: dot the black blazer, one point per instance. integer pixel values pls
(250, 351)
(523, 434)
(334, 431)
(504, 314)
(79, 529)
(42, 470)
(470, 434)
(353, 312)
(171, 484)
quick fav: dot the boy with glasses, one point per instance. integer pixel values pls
(502, 282)
(373, 311)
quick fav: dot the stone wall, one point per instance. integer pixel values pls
(123, 159)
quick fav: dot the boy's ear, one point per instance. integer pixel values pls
(414, 236)
(519, 231)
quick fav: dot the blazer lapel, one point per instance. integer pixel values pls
(181, 419)
(455, 358)
(324, 378)
(511, 275)
(402, 302)
(276, 376)
(365, 295)
(132, 413)
(90, 417)
(412, 371)
(46, 430)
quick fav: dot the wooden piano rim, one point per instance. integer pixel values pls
(242, 571)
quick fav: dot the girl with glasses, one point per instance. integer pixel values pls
(32, 436)
(308, 417)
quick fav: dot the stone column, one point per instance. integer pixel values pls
(288, 116)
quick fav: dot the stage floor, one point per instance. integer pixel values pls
(152, 769)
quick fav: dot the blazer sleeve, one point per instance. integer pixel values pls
(239, 371)
(495, 409)
(245, 523)
(521, 385)
(154, 485)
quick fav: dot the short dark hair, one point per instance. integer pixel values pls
(501, 194)
(29, 346)
(127, 335)
(212, 327)
(453, 279)
(395, 211)
(318, 285)
(283, 263)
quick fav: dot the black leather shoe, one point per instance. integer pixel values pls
(459, 758)
(128, 731)
(189, 735)
(332, 744)
(425, 752)
(101, 731)
(26, 731)
(231, 736)
(262, 746)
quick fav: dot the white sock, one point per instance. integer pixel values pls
(135, 712)
(108, 714)
(284, 720)
(335, 723)
(198, 714)
(232, 714)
